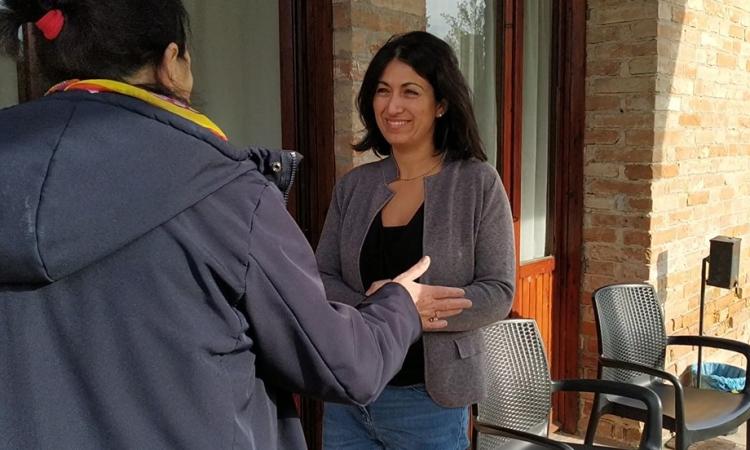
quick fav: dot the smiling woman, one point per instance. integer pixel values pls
(433, 195)
(405, 109)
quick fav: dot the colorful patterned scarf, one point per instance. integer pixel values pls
(160, 101)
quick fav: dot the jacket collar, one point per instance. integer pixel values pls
(389, 170)
(174, 106)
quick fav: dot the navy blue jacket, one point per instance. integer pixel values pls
(155, 293)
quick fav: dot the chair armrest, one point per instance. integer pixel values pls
(711, 341)
(651, 438)
(716, 342)
(496, 430)
(678, 391)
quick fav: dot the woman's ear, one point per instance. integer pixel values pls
(175, 72)
(442, 107)
(167, 71)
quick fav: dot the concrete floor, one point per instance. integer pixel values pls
(734, 441)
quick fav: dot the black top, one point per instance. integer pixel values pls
(386, 253)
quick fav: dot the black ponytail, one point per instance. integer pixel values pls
(100, 38)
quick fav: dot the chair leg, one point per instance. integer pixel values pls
(679, 441)
(596, 414)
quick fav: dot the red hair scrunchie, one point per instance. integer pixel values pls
(51, 24)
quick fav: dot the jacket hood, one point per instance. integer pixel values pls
(82, 175)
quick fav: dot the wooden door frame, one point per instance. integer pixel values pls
(31, 84)
(568, 116)
(569, 119)
(306, 52)
(510, 100)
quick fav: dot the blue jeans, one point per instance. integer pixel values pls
(401, 418)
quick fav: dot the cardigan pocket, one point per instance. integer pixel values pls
(469, 346)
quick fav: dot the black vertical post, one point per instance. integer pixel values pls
(700, 317)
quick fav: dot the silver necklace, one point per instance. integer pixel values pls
(440, 161)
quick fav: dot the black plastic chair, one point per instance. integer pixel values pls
(632, 348)
(516, 411)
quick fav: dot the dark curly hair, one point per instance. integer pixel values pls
(456, 132)
(100, 38)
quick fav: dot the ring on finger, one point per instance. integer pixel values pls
(434, 318)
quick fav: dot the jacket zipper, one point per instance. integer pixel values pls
(293, 156)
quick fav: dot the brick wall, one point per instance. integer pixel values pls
(360, 28)
(703, 103)
(667, 161)
(620, 164)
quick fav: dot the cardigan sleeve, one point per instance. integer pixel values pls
(305, 344)
(493, 286)
(328, 254)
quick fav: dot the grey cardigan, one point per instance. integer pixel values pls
(468, 233)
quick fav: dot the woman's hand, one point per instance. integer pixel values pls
(434, 303)
(375, 286)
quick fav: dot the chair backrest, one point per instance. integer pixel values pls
(518, 380)
(630, 324)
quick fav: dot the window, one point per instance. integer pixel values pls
(535, 140)
(235, 52)
(469, 27)
(8, 82)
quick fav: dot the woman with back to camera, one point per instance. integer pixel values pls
(154, 292)
(433, 194)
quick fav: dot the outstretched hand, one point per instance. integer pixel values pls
(434, 303)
